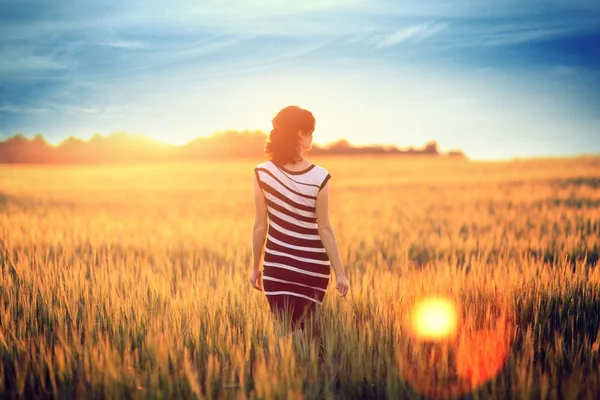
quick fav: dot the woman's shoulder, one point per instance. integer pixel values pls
(320, 169)
(264, 165)
(319, 174)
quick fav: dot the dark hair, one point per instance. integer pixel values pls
(283, 143)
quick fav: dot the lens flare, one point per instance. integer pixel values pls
(434, 319)
(451, 348)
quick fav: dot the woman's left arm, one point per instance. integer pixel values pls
(259, 234)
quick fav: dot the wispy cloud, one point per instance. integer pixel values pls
(80, 110)
(414, 32)
(508, 33)
(24, 60)
(22, 110)
(243, 10)
(125, 44)
(562, 70)
(181, 55)
(255, 58)
(524, 35)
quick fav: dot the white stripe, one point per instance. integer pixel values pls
(285, 205)
(302, 271)
(268, 179)
(292, 220)
(293, 294)
(291, 246)
(308, 260)
(268, 278)
(294, 234)
(289, 179)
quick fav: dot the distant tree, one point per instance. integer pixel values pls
(340, 144)
(457, 154)
(431, 148)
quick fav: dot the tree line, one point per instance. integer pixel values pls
(128, 147)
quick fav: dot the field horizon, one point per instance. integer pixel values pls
(135, 148)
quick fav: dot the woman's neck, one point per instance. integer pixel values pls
(299, 159)
(298, 162)
(302, 155)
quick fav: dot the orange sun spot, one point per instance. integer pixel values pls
(482, 354)
(434, 319)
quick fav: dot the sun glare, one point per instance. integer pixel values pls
(434, 319)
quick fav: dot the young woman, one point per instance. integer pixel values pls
(291, 197)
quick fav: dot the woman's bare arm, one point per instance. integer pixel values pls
(259, 233)
(326, 232)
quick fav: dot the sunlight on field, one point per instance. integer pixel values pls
(131, 282)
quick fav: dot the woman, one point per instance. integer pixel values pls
(292, 194)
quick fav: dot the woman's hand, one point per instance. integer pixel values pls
(341, 284)
(256, 279)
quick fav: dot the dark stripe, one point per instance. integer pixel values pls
(289, 213)
(283, 198)
(292, 262)
(293, 276)
(257, 174)
(298, 253)
(272, 286)
(258, 180)
(282, 237)
(325, 181)
(286, 186)
(292, 227)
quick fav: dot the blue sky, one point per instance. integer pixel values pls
(497, 79)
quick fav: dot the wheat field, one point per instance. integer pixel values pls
(131, 281)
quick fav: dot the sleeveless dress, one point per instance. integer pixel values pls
(296, 266)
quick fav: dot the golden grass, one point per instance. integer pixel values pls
(132, 282)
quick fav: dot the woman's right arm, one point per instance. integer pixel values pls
(329, 240)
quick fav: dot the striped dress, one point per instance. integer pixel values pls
(296, 266)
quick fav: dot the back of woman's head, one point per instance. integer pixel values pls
(283, 145)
